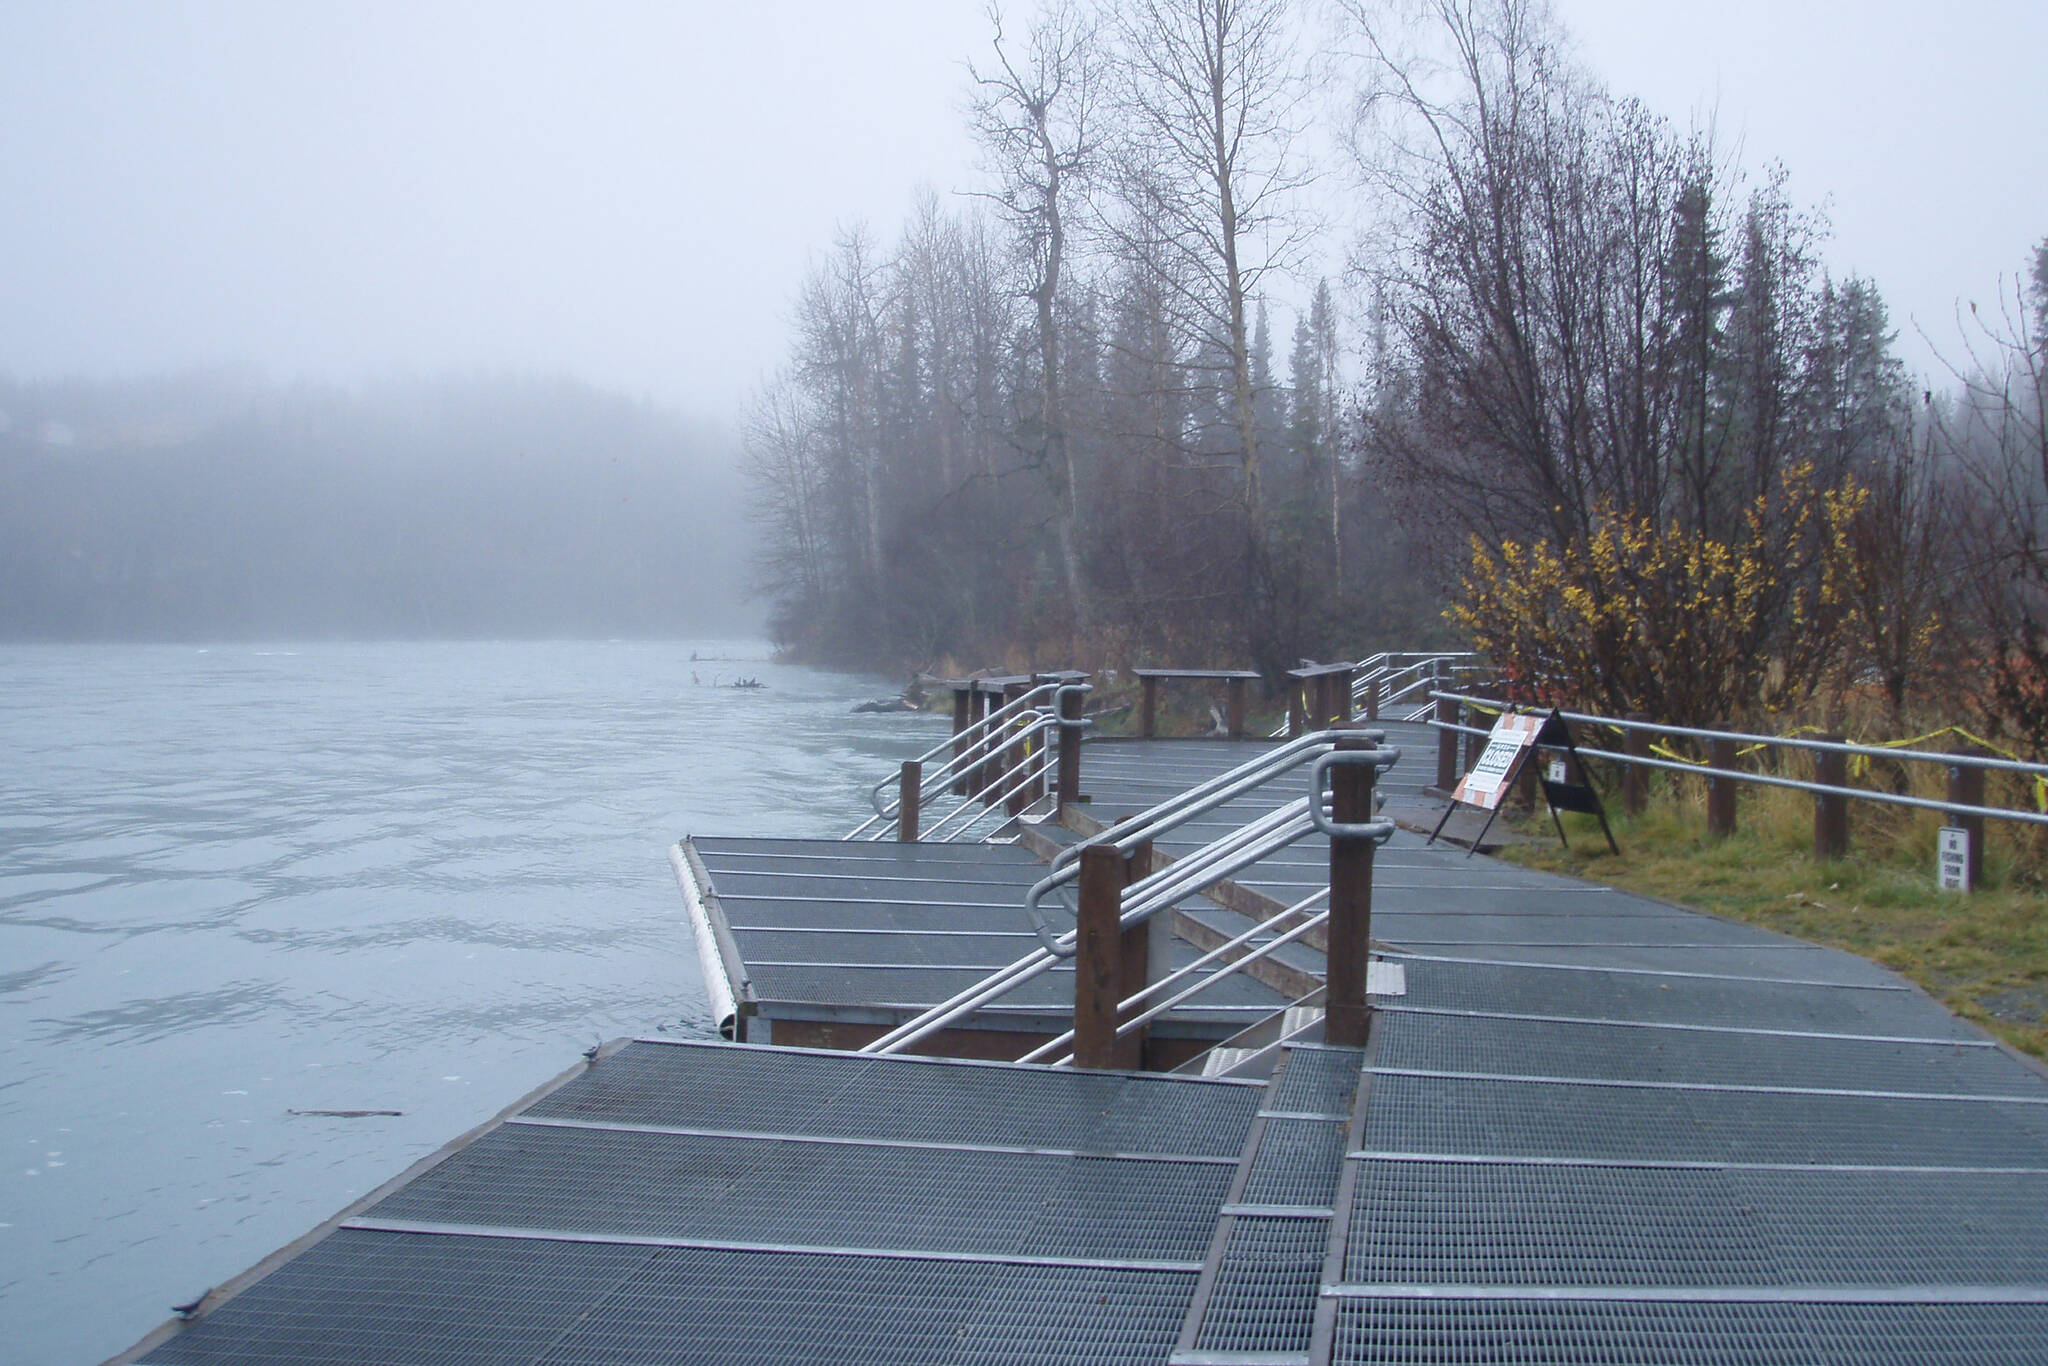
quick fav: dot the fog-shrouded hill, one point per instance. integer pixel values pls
(217, 506)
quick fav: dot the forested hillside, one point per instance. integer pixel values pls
(219, 507)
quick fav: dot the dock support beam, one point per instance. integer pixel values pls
(1346, 1014)
(908, 786)
(1830, 812)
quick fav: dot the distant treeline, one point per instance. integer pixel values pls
(215, 506)
(1587, 398)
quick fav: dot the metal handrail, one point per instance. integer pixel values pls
(995, 794)
(1149, 895)
(1058, 1041)
(1784, 741)
(971, 750)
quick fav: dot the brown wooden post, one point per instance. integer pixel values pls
(907, 786)
(1830, 811)
(1966, 788)
(1098, 956)
(1148, 706)
(1721, 791)
(1340, 695)
(1236, 708)
(1350, 927)
(1070, 746)
(1446, 746)
(1372, 698)
(1635, 779)
(963, 717)
(978, 774)
(1297, 709)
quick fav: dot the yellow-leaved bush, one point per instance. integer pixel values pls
(1661, 618)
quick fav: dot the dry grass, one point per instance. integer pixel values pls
(1984, 954)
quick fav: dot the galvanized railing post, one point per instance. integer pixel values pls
(907, 788)
(1830, 809)
(1720, 790)
(1966, 788)
(1349, 944)
(1635, 779)
(1446, 745)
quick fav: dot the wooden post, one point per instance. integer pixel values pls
(1070, 747)
(1236, 708)
(963, 717)
(1346, 1013)
(978, 774)
(1148, 706)
(907, 786)
(1721, 791)
(1098, 956)
(1372, 698)
(1966, 788)
(1446, 746)
(1635, 780)
(1297, 709)
(1340, 697)
(1830, 812)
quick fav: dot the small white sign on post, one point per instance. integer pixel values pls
(1952, 859)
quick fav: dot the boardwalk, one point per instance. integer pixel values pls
(1593, 1128)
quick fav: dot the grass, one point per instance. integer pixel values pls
(1984, 953)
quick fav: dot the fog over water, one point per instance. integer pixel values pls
(237, 881)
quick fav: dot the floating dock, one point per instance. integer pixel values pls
(1586, 1127)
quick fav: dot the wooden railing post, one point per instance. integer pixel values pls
(1340, 697)
(1372, 698)
(1235, 708)
(1070, 747)
(963, 717)
(1098, 956)
(1297, 709)
(1143, 957)
(1446, 746)
(1830, 810)
(1475, 745)
(1635, 779)
(907, 786)
(1346, 1013)
(1148, 706)
(1016, 756)
(1966, 788)
(1721, 791)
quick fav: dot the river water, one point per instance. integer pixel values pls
(241, 881)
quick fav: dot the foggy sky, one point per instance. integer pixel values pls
(629, 193)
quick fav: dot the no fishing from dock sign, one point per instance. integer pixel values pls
(1513, 742)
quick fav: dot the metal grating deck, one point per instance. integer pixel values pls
(831, 1207)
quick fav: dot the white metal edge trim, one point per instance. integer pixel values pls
(709, 962)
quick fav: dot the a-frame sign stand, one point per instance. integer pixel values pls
(1514, 742)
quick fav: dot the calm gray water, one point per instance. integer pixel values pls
(240, 881)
